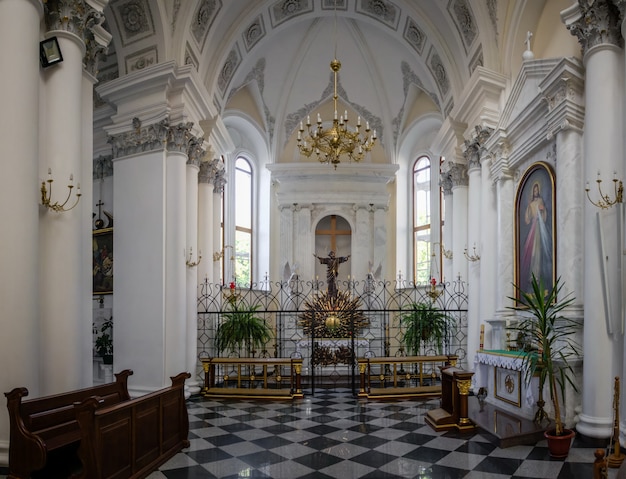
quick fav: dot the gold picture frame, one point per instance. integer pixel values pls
(535, 228)
(508, 386)
(102, 251)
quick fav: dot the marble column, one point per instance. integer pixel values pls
(460, 182)
(193, 257)
(19, 188)
(595, 24)
(218, 192)
(380, 240)
(361, 243)
(505, 199)
(448, 273)
(474, 226)
(488, 242)
(206, 223)
(304, 239)
(286, 241)
(65, 237)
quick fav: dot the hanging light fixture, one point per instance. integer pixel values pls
(339, 140)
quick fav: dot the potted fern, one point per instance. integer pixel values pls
(241, 327)
(424, 324)
(104, 341)
(550, 336)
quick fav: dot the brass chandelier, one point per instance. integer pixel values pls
(339, 140)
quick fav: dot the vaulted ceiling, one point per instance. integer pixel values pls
(266, 63)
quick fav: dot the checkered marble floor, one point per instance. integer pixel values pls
(334, 435)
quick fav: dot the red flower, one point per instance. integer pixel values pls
(232, 285)
(433, 281)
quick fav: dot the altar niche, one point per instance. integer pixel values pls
(333, 233)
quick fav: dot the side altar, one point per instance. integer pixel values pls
(503, 375)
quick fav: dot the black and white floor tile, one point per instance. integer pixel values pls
(334, 435)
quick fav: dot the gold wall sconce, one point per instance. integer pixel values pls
(471, 257)
(605, 201)
(46, 194)
(189, 261)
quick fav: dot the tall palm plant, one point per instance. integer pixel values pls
(550, 336)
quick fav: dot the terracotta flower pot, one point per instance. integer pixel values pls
(559, 446)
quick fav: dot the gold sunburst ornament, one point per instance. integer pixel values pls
(333, 316)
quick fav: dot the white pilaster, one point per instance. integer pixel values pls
(361, 243)
(205, 230)
(62, 235)
(474, 225)
(487, 245)
(603, 151)
(193, 254)
(19, 190)
(505, 276)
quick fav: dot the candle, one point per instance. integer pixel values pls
(482, 336)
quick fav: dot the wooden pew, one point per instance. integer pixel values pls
(42, 425)
(133, 438)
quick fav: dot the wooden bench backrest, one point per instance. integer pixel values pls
(132, 438)
(41, 414)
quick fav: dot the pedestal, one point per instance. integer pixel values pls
(454, 412)
(107, 370)
(498, 327)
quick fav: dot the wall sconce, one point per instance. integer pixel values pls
(49, 52)
(46, 194)
(218, 255)
(471, 257)
(605, 202)
(191, 263)
(447, 253)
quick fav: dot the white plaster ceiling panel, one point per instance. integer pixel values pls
(203, 18)
(383, 11)
(254, 33)
(463, 18)
(284, 10)
(414, 35)
(134, 20)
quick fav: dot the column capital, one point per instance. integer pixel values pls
(102, 167)
(474, 148)
(209, 171)
(154, 137)
(218, 182)
(458, 174)
(80, 18)
(195, 151)
(446, 183)
(595, 22)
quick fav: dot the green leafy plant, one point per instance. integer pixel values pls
(241, 327)
(104, 341)
(423, 324)
(550, 337)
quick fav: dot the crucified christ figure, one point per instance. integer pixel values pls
(332, 263)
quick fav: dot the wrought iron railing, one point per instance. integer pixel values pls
(287, 307)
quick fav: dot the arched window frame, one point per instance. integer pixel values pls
(231, 262)
(427, 257)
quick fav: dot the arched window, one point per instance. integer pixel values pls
(237, 217)
(421, 220)
(243, 222)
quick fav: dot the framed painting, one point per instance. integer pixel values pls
(535, 228)
(102, 250)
